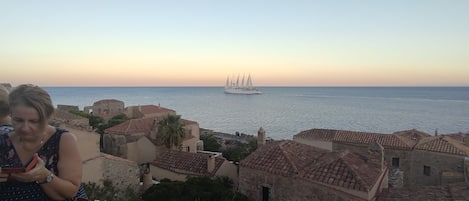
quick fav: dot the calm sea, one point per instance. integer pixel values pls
(285, 111)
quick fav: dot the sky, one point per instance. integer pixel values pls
(203, 42)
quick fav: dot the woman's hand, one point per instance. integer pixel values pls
(38, 173)
(3, 176)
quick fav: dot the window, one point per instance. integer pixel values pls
(265, 193)
(426, 170)
(395, 162)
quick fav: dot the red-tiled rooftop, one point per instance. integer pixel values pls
(386, 140)
(282, 157)
(318, 134)
(143, 125)
(296, 160)
(407, 140)
(186, 162)
(443, 144)
(151, 109)
(132, 126)
(397, 141)
(345, 170)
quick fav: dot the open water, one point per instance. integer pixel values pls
(286, 111)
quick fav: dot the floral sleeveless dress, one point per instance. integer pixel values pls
(49, 153)
(5, 129)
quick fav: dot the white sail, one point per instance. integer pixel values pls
(243, 87)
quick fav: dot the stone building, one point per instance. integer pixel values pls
(106, 108)
(415, 158)
(67, 107)
(98, 167)
(288, 171)
(134, 138)
(178, 165)
(7, 86)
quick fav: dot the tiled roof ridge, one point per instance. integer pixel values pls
(355, 183)
(359, 137)
(450, 146)
(128, 125)
(252, 160)
(318, 133)
(367, 186)
(410, 145)
(287, 156)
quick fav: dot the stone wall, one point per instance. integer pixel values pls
(437, 163)
(123, 174)
(251, 183)
(411, 164)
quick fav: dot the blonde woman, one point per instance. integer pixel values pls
(57, 174)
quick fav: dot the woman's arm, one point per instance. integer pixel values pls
(66, 184)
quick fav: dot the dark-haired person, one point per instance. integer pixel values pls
(5, 120)
(58, 172)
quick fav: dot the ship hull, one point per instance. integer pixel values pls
(243, 91)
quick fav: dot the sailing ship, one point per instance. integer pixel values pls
(243, 87)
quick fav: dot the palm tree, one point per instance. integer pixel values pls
(170, 131)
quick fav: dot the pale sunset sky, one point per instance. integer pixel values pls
(202, 42)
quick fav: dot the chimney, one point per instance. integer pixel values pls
(376, 155)
(260, 137)
(154, 130)
(465, 139)
(210, 163)
(436, 131)
(146, 177)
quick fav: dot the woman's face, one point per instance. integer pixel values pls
(26, 122)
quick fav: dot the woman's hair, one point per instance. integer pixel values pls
(4, 106)
(35, 97)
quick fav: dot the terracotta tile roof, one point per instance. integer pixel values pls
(152, 109)
(282, 157)
(132, 126)
(186, 162)
(106, 101)
(443, 144)
(386, 140)
(345, 170)
(143, 125)
(317, 134)
(296, 160)
(188, 122)
(399, 140)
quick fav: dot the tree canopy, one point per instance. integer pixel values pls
(195, 188)
(171, 131)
